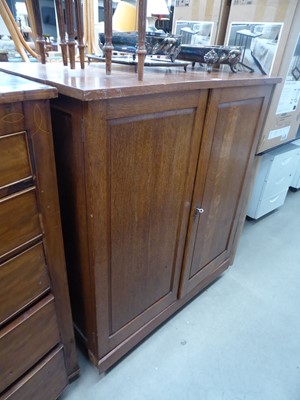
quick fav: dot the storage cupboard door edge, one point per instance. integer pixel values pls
(231, 131)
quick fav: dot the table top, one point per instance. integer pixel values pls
(13, 89)
(92, 83)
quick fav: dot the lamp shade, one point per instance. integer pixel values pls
(124, 17)
(157, 7)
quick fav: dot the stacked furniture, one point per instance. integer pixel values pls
(37, 350)
(273, 179)
(153, 180)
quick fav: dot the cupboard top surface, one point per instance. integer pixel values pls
(13, 89)
(93, 84)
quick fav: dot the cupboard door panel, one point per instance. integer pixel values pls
(229, 139)
(149, 161)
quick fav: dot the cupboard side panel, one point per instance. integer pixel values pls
(38, 123)
(67, 117)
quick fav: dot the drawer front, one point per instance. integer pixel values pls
(46, 381)
(270, 204)
(281, 173)
(296, 179)
(22, 279)
(26, 340)
(14, 156)
(11, 118)
(19, 220)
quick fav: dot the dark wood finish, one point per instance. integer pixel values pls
(11, 117)
(70, 30)
(79, 25)
(148, 180)
(67, 118)
(23, 279)
(62, 33)
(46, 381)
(108, 47)
(35, 4)
(13, 91)
(19, 220)
(14, 156)
(134, 162)
(26, 340)
(92, 83)
(141, 50)
(137, 213)
(38, 121)
(227, 145)
(32, 265)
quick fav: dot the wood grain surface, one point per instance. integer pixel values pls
(94, 84)
(45, 381)
(26, 340)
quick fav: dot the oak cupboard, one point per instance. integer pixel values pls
(153, 180)
(37, 348)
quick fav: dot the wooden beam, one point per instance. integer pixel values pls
(108, 34)
(141, 51)
(79, 24)
(70, 30)
(40, 41)
(62, 32)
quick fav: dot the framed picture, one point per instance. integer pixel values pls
(259, 42)
(194, 32)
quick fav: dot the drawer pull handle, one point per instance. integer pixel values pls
(274, 199)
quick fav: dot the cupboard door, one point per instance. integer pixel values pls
(150, 171)
(231, 130)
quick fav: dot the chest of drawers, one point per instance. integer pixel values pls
(37, 350)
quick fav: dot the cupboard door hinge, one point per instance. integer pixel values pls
(82, 131)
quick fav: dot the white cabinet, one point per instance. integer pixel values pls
(296, 178)
(274, 176)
